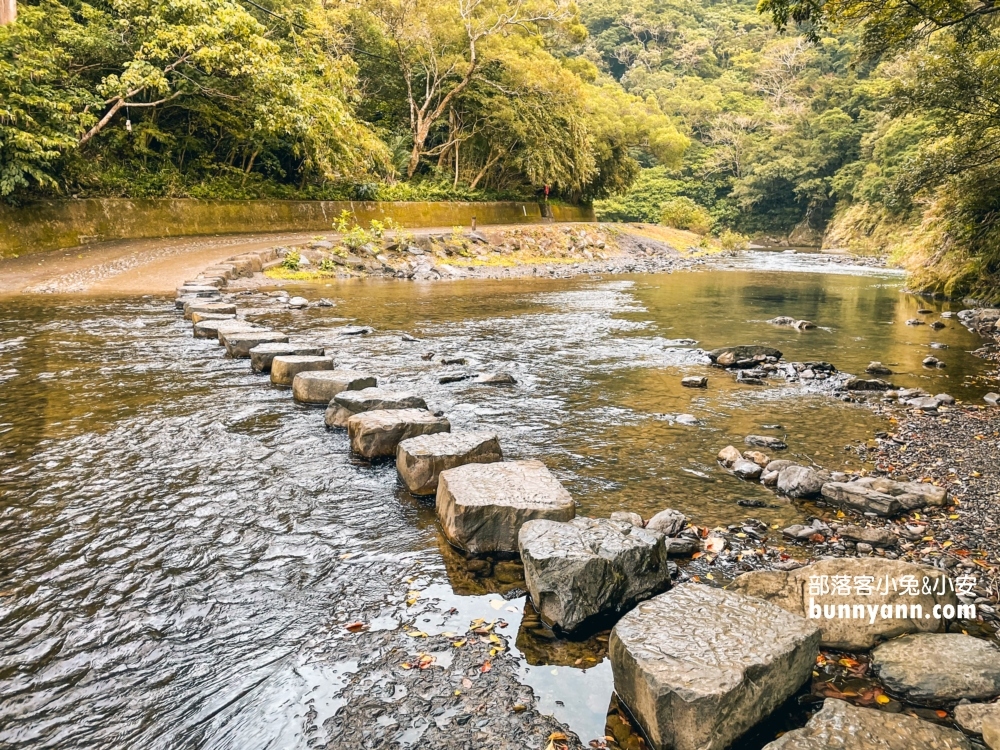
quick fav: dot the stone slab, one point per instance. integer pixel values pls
(213, 329)
(239, 343)
(286, 367)
(356, 400)
(420, 460)
(482, 507)
(263, 355)
(321, 388)
(376, 434)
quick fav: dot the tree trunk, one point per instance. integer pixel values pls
(8, 11)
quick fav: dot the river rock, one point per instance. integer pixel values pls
(992, 399)
(482, 507)
(197, 317)
(375, 434)
(867, 535)
(695, 381)
(884, 497)
(728, 356)
(747, 470)
(580, 569)
(699, 666)
(669, 522)
(496, 378)
(239, 343)
(197, 290)
(765, 441)
(769, 477)
(358, 398)
(420, 460)
(221, 308)
(298, 303)
(757, 457)
(861, 384)
(628, 517)
(285, 367)
(263, 355)
(840, 725)
(970, 716)
(213, 329)
(877, 368)
(681, 546)
(321, 388)
(800, 592)
(728, 456)
(938, 669)
(799, 482)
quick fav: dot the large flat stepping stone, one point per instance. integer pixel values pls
(588, 567)
(816, 590)
(375, 434)
(939, 669)
(214, 329)
(482, 507)
(197, 317)
(285, 367)
(358, 398)
(239, 343)
(322, 387)
(263, 355)
(222, 308)
(840, 725)
(699, 666)
(420, 460)
(882, 496)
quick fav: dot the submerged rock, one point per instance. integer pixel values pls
(420, 460)
(840, 725)
(483, 506)
(812, 592)
(938, 669)
(496, 378)
(358, 398)
(699, 666)
(578, 570)
(375, 434)
(765, 441)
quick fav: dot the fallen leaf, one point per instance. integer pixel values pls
(882, 699)
(354, 627)
(417, 634)
(486, 666)
(458, 644)
(466, 683)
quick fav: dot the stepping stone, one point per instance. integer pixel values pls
(356, 399)
(699, 666)
(261, 356)
(223, 308)
(938, 669)
(840, 725)
(198, 290)
(180, 302)
(483, 506)
(321, 387)
(375, 434)
(197, 317)
(420, 460)
(285, 367)
(589, 567)
(239, 343)
(809, 592)
(217, 281)
(213, 329)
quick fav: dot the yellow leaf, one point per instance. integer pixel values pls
(494, 638)
(417, 634)
(458, 644)
(883, 699)
(953, 516)
(709, 576)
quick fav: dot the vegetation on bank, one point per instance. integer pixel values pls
(874, 124)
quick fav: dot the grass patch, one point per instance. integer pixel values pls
(281, 273)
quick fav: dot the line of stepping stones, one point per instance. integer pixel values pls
(696, 666)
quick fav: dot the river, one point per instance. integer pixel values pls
(182, 543)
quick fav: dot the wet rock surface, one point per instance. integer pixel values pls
(588, 567)
(360, 397)
(320, 387)
(420, 460)
(376, 434)
(699, 666)
(262, 355)
(286, 367)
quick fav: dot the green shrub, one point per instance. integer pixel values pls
(291, 261)
(684, 213)
(730, 240)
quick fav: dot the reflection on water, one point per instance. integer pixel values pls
(179, 537)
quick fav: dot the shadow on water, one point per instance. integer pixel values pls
(180, 537)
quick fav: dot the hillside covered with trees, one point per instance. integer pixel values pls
(872, 124)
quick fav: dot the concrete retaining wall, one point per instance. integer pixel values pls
(56, 224)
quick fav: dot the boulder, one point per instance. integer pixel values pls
(482, 507)
(991, 732)
(286, 367)
(375, 434)
(213, 329)
(730, 355)
(970, 716)
(799, 482)
(496, 378)
(875, 384)
(765, 441)
(757, 457)
(695, 381)
(841, 725)
(220, 308)
(699, 666)
(747, 469)
(581, 569)
(882, 496)
(239, 343)
(801, 592)
(939, 669)
(769, 477)
(298, 303)
(729, 456)
(262, 355)
(681, 546)
(321, 388)
(628, 517)
(358, 398)
(669, 522)
(877, 368)
(420, 460)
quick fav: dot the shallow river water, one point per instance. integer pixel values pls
(181, 541)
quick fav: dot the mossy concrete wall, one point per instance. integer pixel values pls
(57, 224)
